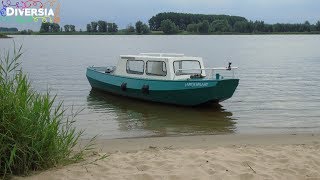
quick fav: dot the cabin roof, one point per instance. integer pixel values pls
(159, 56)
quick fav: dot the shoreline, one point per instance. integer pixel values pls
(203, 141)
(198, 157)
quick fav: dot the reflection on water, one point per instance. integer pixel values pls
(162, 119)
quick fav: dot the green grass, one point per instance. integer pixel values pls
(35, 132)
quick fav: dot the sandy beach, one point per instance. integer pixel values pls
(295, 156)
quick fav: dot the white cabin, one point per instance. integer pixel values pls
(161, 66)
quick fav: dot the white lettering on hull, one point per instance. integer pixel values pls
(198, 84)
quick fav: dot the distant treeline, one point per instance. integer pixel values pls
(54, 27)
(172, 23)
(183, 23)
(102, 26)
(182, 20)
(4, 29)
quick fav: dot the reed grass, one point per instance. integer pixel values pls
(35, 132)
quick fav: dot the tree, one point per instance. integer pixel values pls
(94, 26)
(220, 26)
(139, 27)
(72, 28)
(278, 27)
(114, 27)
(259, 26)
(44, 27)
(130, 28)
(182, 20)
(318, 26)
(241, 26)
(49, 27)
(89, 28)
(306, 26)
(204, 27)
(66, 28)
(192, 28)
(168, 27)
(61, 29)
(145, 29)
(102, 26)
(55, 27)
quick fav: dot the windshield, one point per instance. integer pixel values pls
(189, 67)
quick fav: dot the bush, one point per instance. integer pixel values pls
(35, 133)
(168, 27)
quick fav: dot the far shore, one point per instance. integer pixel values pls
(285, 156)
(161, 33)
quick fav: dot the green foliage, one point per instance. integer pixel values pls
(259, 26)
(72, 28)
(49, 27)
(183, 19)
(54, 27)
(89, 29)
(168, 27)
(139, 25)
(243, 27)
(318, 26)
(66, 28)
(193, 28)
(145, 29)
(35, 133)
(130, 29)
(142, 28)
(94, 26)
(26, 32)
(220, 26)
(102, 26)
(44, 27)
(204, 27)
(112, 27)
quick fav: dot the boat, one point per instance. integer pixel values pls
(165, 78)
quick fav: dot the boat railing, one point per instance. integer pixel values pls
(162, 54)
(211, 73)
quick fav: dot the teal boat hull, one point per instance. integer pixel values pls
(181, 92)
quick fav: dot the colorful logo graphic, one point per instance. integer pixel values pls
(30, 11)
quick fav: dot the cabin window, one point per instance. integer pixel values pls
(135, 67)
(189, 67)
(156, 68)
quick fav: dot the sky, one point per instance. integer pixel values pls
(124, 12)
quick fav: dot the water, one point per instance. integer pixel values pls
(279, 90)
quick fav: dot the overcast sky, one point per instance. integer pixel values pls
(123, 12)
